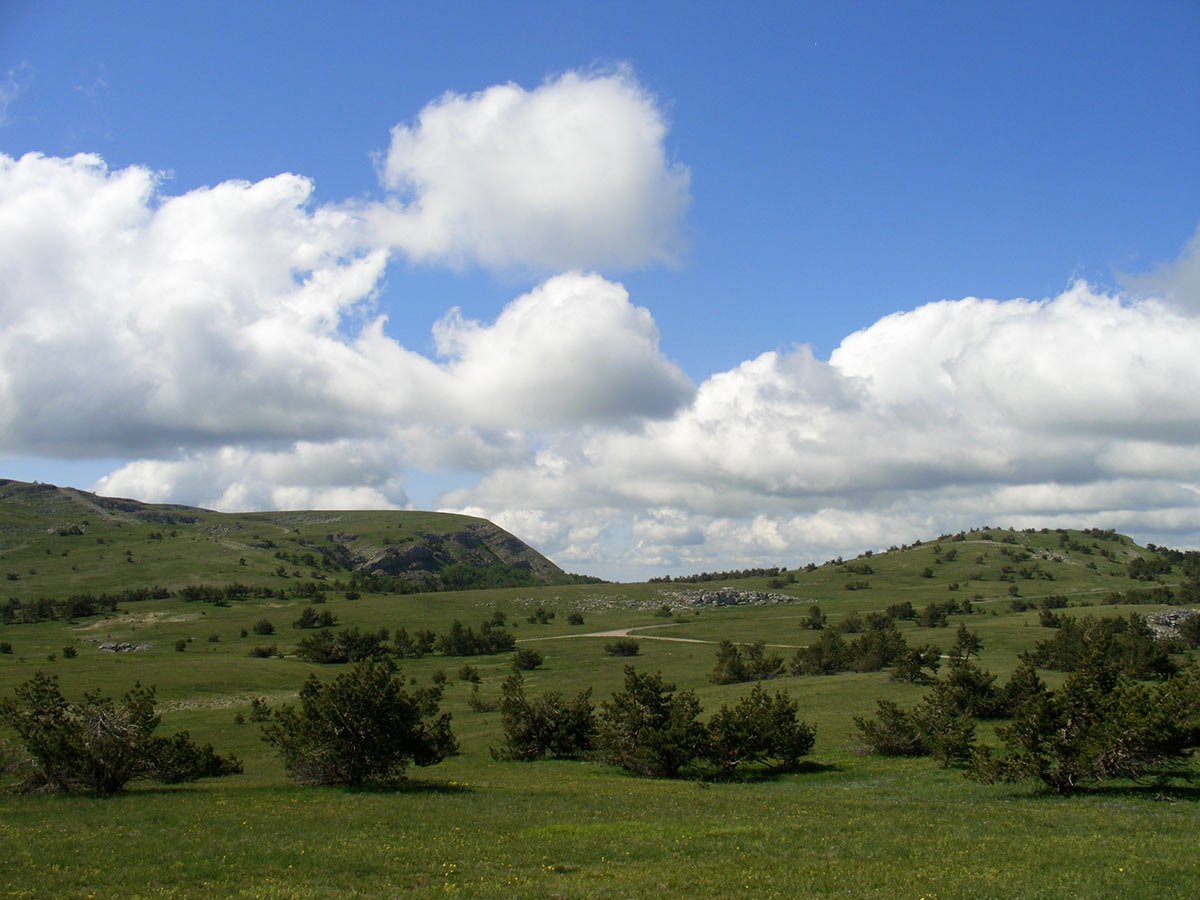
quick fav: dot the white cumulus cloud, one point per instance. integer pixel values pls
(571, 174)
(1081, 407)
(138, 323)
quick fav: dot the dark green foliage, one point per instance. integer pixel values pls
(1188, 592)
(526, 659)
(755, 665)
(851, 624)
(1147, 569)
(1099, 725)
(265, 652)
(467, 672)
(221, 595)
(1159, 594)
(947, 730)
(550, 725)
(968, 689)
(99, 745)
(815, 620)
(6, 647)
(1189, 632)
(260, 711)
(935, 614)
(464, 577)
(575, 618)
(892, 732)
(177, 759)
(463, 641)
(622, 647)
(347, 645)
(263, 626)
(1023, 685)
(1127, 644)
(416, 646)
(77, 606)
(69, 652)
(649, 728)
(902, 610)
(723, 576)
(758, 729)
(878, 646)
(910, 666)
(361, 728)
(310, 618)
(478, 703)
(180, 645)
(826, 657)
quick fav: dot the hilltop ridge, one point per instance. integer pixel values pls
(112, 543)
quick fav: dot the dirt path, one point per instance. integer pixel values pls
(630, 633)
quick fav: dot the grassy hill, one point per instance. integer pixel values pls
(848, 825)
(57, 541)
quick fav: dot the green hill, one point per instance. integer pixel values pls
(58, 541)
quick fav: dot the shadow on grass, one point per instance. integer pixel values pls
(767, 775)
(412, 786)
(407, 786)
(1154, 790)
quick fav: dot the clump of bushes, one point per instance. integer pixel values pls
(550, 725)
(527, 659)
(651, 729)
(98, 745)
(623, 647)
(362, 728)
(754, 664)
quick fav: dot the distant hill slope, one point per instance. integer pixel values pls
(56, 540)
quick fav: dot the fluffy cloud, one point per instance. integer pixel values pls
(229, 343)
(1177, 282)
(574, 350)
(137, 324)
(341, 474)
(1080, 409)
(572, 174)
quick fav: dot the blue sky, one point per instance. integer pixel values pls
(817, 169)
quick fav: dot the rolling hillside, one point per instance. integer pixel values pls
(215, 611)
(57, 541)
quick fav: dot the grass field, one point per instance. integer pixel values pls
(848, 825)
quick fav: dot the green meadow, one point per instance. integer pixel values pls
(846, 825)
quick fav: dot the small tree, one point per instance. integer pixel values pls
(622, 647)
(99, 745)
(550, 725)
(755, 665)
(826, 657)
(650, 729)
(730, 668)
(757, 729)
(913, 662)
(1099, 725)
(526, 659)
(892, 732)
(361, 728)
(815, 620)
(263, 626)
